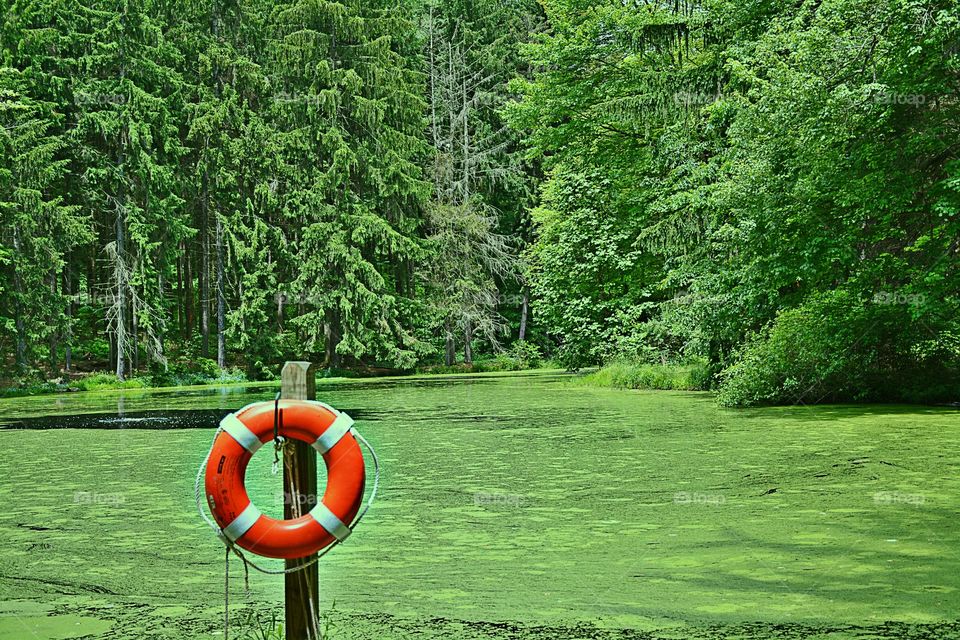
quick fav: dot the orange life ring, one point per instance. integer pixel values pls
(238, 438)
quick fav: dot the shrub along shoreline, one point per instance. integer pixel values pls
(763, 379)
(624, 374)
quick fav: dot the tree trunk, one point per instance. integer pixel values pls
(68, 327)
(54, 367)
(218, 283)
(188, 293)
(221, 301)
(180, 298)
(160, 333)
(524, 312)
(121, 301)
(333, 335)
(18, 306)
(281, 300)
(205, 280)
(119, 268)
(92, 281)
(468, 343)
(135, 339)
(451, 354)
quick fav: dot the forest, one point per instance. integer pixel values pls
(764, 192)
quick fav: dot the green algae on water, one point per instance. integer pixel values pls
(511, 506)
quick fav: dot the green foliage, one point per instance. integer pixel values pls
(520, 357)
(718, 173)
(351, 175)
(526, 354)
(101, 381)
(97, 349)
(589, 278)
(257, 625)
(481, 184)
(184, 372)
(91, 382)
(624, 374)
(772, 188)
(37, 227)
(249, 182)
(835, 347)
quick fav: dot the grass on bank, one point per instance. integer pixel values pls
(199, 372)
(92, 382)
(521, 356)
(624, 374)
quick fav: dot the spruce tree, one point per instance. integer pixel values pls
(129, 144)
(350, 105)
(38, 227)
(471, 50)
(230, 170)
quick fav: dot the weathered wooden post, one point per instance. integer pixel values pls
(302, 588)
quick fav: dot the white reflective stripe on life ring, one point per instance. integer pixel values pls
(329, 438)
(242, 523)
(330, 522)
(239, 432)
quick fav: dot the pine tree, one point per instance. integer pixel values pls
(351, 106)
(471, 48)
(129, 146)
(226, 86)
(39, 229)
(46, 56)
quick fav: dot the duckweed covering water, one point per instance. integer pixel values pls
(511, 507)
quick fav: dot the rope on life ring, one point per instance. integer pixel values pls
(328, 436)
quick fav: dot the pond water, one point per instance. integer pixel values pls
(512, 506)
